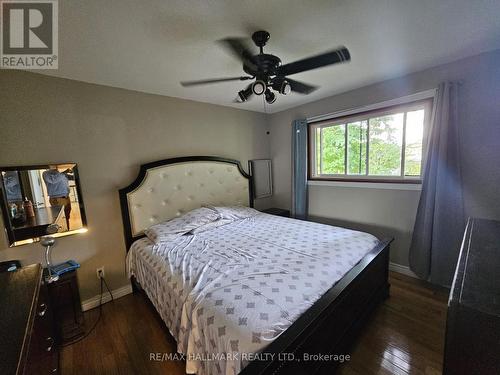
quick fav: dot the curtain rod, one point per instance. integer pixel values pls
(351, 111)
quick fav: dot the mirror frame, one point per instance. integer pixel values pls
(5, 212)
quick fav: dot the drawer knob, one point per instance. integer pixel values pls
(51, 340)
(43, 309)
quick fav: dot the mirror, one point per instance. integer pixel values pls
(34, 197)
(262, 177)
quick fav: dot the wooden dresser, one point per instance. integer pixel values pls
(473, 323)
(27, 343)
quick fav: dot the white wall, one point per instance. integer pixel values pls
(109, 132)
(387, 212)
(382, 212)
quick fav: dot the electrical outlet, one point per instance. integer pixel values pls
(100, 272)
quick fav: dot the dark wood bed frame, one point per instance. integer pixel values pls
(330, 326)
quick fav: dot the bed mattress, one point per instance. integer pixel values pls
(228, 292)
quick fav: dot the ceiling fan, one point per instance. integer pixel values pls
(266, 69)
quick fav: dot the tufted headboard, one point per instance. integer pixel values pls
(168, 188)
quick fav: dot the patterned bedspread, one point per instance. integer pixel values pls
(232, 290)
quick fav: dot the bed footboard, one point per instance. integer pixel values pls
(331, 325)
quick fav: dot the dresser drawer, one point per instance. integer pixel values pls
(26, 324)
(43, 355)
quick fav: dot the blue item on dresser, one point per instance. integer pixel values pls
(62, 268)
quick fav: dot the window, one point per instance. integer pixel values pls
(386, 144)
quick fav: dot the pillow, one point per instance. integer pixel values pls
(171, 229)
(235, 212)
(210, 226)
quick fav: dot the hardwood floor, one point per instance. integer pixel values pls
(404, 336)
(406, 333)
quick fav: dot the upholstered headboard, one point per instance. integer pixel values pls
(168, 188)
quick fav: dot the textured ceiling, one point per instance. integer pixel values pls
(151, 45)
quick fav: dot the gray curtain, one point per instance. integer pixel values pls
(440, 220)
(299, 170)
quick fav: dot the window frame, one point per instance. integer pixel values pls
(426, 104)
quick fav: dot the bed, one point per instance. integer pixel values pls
(258, 295)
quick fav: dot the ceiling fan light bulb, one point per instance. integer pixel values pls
(259, 87)
(270, 97)
(241, 96)
(285, 88)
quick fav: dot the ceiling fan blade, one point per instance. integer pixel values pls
(239, 48)
(215, 80)
(300, 87)
(332, 57)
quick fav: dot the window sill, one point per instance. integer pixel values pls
(368, 185)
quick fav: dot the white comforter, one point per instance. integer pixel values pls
(232, 290)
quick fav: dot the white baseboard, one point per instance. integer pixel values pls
(117, 293)
(405, 270)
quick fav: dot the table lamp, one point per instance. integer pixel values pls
(48, 242)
